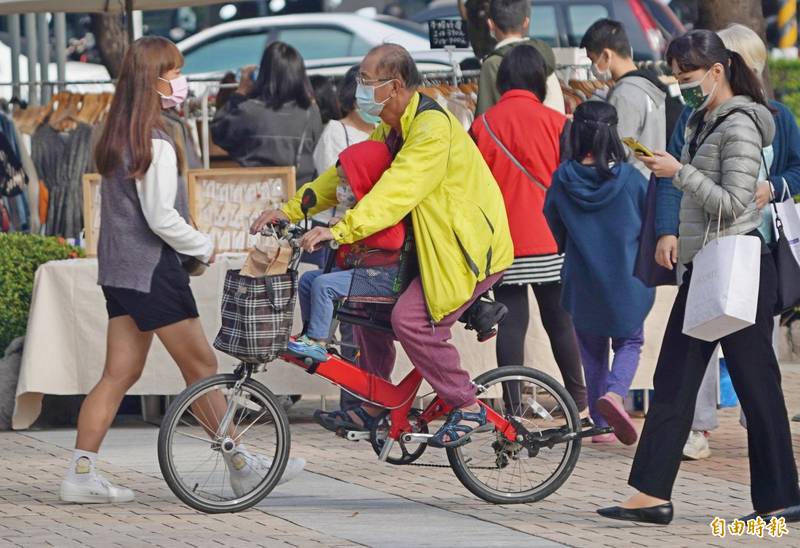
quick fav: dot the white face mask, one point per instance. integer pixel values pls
(345, 196)
(602, 75)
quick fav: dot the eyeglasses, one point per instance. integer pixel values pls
(362, 82)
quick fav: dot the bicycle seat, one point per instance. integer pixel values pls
(367, 312)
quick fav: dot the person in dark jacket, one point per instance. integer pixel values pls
(272, 121)
(501, 134)
(594, 207)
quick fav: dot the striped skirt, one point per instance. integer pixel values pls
(538, 269)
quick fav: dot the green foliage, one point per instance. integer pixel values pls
(784, 75)
(20, 256)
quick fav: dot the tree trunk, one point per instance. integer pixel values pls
(112, 40)
(718, 14)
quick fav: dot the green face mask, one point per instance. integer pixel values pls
(692, 93)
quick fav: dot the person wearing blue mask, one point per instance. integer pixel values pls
(783, 179)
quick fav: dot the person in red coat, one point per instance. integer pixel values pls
(520, 139)
(378, 256)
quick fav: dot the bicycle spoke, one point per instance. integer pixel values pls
(184, 434)
(203, 424)
(236, 440)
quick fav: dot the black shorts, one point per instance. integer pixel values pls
(170, 299)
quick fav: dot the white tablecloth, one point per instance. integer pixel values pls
(65, 341)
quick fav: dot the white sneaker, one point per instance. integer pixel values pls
(247, 470)
(696, 447)
(95, 490)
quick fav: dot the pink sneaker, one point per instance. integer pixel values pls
(617, 417)
(604, 438)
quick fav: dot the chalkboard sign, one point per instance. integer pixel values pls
(448, 32)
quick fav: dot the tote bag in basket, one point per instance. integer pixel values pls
(256, 316)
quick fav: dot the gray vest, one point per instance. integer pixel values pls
(128, 251)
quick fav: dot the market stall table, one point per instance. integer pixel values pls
(65, 341)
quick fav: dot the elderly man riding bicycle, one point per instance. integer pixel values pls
(439, 180)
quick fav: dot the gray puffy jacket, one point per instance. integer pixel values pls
(723, 173)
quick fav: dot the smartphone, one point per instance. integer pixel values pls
(636, 146)
(253, 75)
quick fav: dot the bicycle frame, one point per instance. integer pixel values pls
(398, 399)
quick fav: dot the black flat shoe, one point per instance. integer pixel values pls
(660, 515)
(790, 514)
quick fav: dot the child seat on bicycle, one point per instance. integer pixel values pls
(377, 257)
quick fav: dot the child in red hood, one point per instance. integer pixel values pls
(360, 167)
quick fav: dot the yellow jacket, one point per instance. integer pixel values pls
(439, 176)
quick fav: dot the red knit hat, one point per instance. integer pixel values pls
(364, 164)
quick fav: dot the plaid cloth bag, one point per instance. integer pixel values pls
(257, 315)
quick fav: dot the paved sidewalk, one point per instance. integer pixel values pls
(347, 498)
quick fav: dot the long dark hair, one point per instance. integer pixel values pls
(594, 131)
(523, 68)
(326, 97)
(702, 49)
(136, 108)
(282, 78)
(347, 91)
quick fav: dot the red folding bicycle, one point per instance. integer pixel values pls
(224, 441)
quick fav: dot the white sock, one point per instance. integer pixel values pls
(82, 466)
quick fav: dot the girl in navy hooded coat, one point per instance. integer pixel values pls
(594, 208)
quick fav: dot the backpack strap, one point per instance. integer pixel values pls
(696, 142)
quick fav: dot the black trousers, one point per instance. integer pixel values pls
(757, 380)
(557, 323)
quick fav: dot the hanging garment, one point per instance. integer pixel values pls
(13, 178)
(61, 160)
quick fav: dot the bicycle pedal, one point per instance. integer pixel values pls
(356, 435)
(595, 431)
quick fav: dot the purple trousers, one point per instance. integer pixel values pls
(427, 345)
(599, 381)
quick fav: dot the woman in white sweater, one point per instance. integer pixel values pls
(144, 238)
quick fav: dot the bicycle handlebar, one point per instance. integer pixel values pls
(291, 232)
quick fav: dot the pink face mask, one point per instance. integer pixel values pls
(180, 90)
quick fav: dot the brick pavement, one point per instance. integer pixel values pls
(31, 466)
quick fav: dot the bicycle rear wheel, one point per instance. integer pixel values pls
(223, 444)
(505, 472)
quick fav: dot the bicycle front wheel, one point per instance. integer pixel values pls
(223, 444)
(506, 472)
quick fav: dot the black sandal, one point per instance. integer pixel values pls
(459, 434)
(336, 420)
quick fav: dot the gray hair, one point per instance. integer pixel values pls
(395, 62)
(746, 43)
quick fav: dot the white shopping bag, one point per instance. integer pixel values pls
(723, 289)
(790, 217)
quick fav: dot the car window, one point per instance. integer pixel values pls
(226, 52)
(318, 43)
(581, 17)
(544, 25)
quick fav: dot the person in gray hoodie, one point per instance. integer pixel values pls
(718, 174)
(638, 96)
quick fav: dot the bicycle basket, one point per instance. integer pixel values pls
(257, 316)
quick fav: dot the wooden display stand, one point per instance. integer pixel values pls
(222, 202)
(91, 212)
